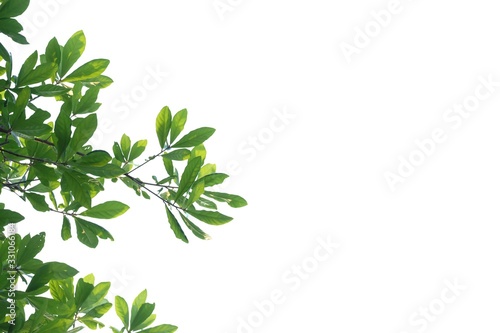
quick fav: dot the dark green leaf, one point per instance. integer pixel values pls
(13, 8)
(49, 90)
(62, 132)
(32, 248)
(11, 28)
(214, 179)
(38, 202)
(50, 271)
(144, 312)
(8, 216)
(85, 233)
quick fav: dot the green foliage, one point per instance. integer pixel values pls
(48, 163)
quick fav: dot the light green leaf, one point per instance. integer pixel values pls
(178, 155)
(72, 51)
(209, 217)
(88, 71)
(66, 229)
(176, 228)
(178, 123)
(125, 145)
(194, 229)
(232, 200)
(121, 308)
(137, 149)
(189, 176)
(163, 123)
(194, 138)
(165, 328)
(107, 210)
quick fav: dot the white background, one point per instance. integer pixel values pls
(320, 175)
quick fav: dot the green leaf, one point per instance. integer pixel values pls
(207, 169)
(206, 203)
(8, 216)
(165, 328)
(32, 248)
(83, 290)
(214, 179)
(53, 52)
(66, 229)
(178, 123)
(85, 234)
(107, 210)
(27, 67)
(13, 8)
(74, 182)
(209, 217)
(106, 171)
(96, 158)
(39, 74)
(11, 28)
(232, 200)
(163, 123)
(49, 90)
(87, 71)
(196, 192)
(200, 151)
(194, 229)
(72, 51)
(189, 176)
(137, 149)
(96, 296)
(87, 103)
(194, 138)
(121, 308)
(138, 302)
(83, 132)
(38, 202)
(117, 151)
(100, 82)
(176, 228)
(178, 155)
(125, 145)
(62, 132)
(50, 271)
(142, 314)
